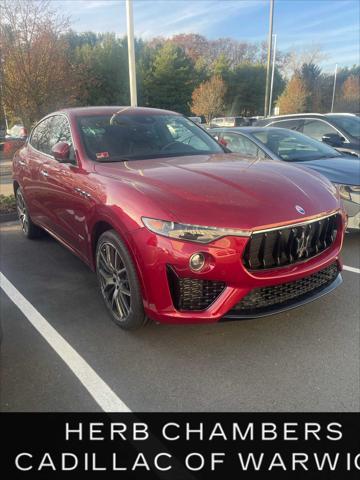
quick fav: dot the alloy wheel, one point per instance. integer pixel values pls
(114, 281)
(22, 212)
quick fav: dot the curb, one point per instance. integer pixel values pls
(8, 217)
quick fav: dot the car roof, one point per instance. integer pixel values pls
(108, 110)
(246, 129)
(297, 115)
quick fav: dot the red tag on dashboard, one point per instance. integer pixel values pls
(102, 155)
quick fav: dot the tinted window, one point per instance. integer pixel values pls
(290, 124)
(136, 137)
(40, 138)
(350, 124)
(240, 144)
(294, 146)
(317, 128)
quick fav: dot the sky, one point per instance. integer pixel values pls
(332, 25)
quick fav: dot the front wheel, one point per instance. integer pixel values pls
(30, 230)
(118, 282)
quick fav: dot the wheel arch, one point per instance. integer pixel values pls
(16, 185)
(103, 225)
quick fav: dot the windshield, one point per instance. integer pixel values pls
(119, 137)
(293, 146)
(350, 124)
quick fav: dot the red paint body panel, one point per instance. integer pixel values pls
(222, 190)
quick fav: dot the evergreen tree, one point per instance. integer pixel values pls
(170, 82)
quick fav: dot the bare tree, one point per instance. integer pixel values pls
(296, 58)
(36, 71)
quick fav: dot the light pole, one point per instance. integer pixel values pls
(272, 75)
(334, 88)
(271, 18)
(131, 52)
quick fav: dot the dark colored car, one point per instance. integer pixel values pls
(339, 130)
(282, 144)
(176, 229)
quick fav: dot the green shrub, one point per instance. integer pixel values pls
(7, 204)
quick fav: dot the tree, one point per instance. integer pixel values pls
(170, 82)
(208, 98)
(311, 75)
(350, 98)
(246, 89)
(293, 99)
(101, 70)
(37, 75)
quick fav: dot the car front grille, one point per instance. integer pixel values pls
(288, 245)
(193, 294)
(263, 300)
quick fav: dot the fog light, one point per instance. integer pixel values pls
(197, 261)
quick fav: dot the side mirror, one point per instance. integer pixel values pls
(61, 152)
(333, 139)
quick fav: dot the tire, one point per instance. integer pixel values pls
(30, 230)
(118, 282)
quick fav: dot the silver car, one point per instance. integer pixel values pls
(290, 146)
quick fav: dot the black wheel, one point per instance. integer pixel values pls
(29, 229)
(118, 282)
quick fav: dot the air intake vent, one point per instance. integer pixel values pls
(263, 300)
(191, 293)
(288, 245)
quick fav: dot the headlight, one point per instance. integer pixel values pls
(192, 233)
(344, 191)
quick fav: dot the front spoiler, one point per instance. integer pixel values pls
(290, 305)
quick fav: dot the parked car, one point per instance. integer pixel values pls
(339, 130)
(176, 229)
(282, 144)
(12, 140)
(228, 122)
(17, 131)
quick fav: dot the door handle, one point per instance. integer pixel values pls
(44, 173)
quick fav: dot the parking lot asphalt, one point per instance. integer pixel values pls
(307, 359)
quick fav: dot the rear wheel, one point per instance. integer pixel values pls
(29, 229)
(118, 282)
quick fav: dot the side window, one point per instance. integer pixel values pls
(290, 124)
(317, 129)
(40, 138)
(181, 133)
(60, 132)
(241, 144)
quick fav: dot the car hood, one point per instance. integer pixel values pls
(226, 190)
(344, 169)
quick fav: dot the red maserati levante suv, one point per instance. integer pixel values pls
(176, 228)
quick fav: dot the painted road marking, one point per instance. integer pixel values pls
(351, 269)
(103, 395)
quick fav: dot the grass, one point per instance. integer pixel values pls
(7, 204)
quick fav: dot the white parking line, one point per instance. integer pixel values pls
(98, 389)
(351, 269)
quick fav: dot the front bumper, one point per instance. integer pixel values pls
(156, 256)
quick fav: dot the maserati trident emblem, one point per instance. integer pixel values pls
(302, 244)
(300, 209)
